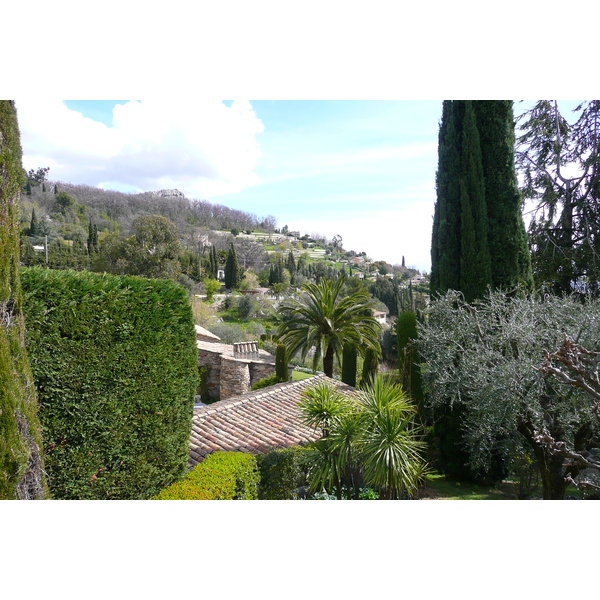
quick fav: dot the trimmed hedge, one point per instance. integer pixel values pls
(282, 472)
(115, 363)
(220, 476)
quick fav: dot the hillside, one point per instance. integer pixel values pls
(66, 212)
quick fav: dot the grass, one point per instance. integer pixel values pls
(441, 487)
(298, 375)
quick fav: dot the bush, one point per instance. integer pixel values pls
(266, 382)
(220, 476)
(114, 360)
(282, 473)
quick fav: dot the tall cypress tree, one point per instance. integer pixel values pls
(21, 466)
(33, 225)
(445, 246)
(475, 269)
(478, 236)
(232, 269)
(507, 238)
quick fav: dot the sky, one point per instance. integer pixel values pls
(362, 169)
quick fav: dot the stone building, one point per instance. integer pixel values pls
(232, 369)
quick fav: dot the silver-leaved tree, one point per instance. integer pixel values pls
(484, 359)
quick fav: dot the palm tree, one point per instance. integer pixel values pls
(323, 319)
(368, 439)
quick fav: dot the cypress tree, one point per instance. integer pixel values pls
(33, 225)
(408, 358)
(478, 237)
(281, 363)
(21, 466)
(232, 269)
(445, 242)
(507, 238)
(475, 269)
(291, 267)
(370, 367)
(349, 356)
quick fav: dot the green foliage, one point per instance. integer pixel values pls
(323, 319)
(478, 235)
(349, 356)
(281, 363)
(266, 382)
(220, 476)
(233, 274)
(21, 467)
(370, 367)
(282, 472)
(481, 360)
(152, 251)
(211, 287)
(408, 357)
(368, 439)
(115, 364)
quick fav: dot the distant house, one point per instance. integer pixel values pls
(380, 316)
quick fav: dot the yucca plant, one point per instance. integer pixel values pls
(368, 439)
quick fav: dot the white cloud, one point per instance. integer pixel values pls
(202, 147)
(385, 234)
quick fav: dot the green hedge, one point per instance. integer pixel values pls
(282, 472)
(114, 360)
(220, 476)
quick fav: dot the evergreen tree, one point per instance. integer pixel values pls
(33, 225)
(291, 267)
(475, 268)
(232, 269)
(281, 363)
(370, 367)
(445, 241)
(507, 238)
(21, 465)
(478, 237)
(408, 357)
(349, 359)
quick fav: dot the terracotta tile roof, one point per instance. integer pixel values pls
(255, 422)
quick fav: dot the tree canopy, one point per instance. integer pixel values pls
(483, 358)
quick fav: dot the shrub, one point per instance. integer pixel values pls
(220, 476)
(281, 363)
(266, 382)
(282, 473)
(114, 360)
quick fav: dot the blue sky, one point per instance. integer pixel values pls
(364, 170)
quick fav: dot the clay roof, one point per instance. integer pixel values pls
(206, 334)
(255, 422)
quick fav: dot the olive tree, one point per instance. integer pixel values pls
(484, 359)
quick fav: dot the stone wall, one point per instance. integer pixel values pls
(235, 377)
(212, 360)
